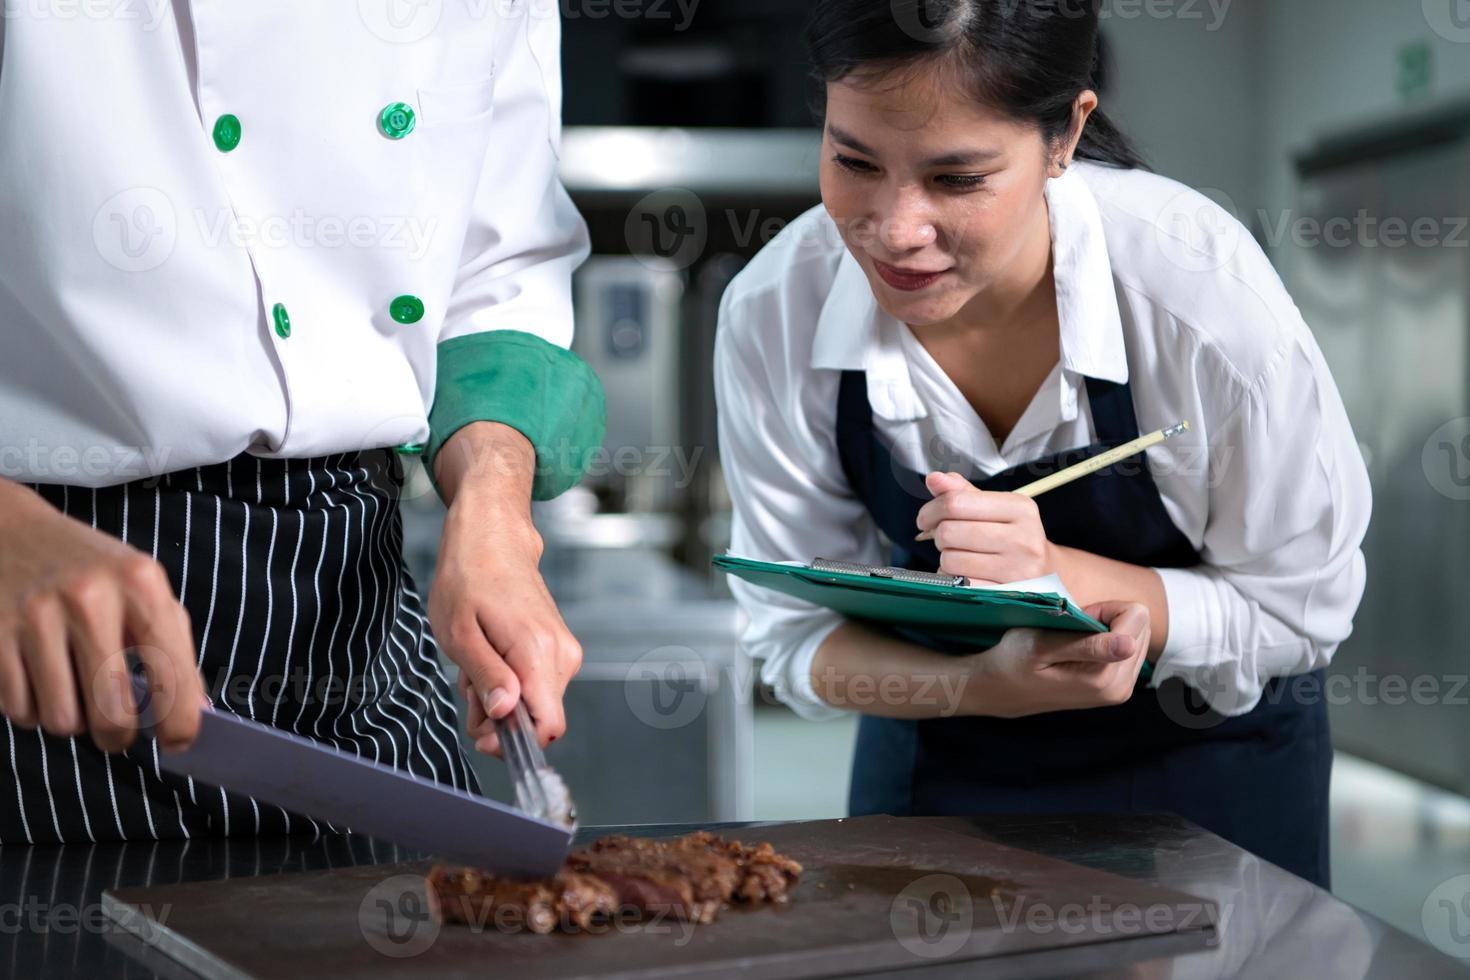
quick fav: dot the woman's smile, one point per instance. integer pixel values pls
(910, 280)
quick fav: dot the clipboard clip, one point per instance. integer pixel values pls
(888, 572)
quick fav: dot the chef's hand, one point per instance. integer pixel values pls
(990, 538)
(1034, 671)
(73, 601)
(496, 620)
(489, 607)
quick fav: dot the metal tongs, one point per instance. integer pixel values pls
(540, 790)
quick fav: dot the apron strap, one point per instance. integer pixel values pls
(1112, 410)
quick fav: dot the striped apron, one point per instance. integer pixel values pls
(304, 617)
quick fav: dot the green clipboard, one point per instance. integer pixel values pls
(953, 613)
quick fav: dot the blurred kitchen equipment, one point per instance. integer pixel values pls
(674, 215)
(659, 719)
(680, 63)
(628, 313)
(1391, 312)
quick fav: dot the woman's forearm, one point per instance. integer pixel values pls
(1092, 578)
(861, 669)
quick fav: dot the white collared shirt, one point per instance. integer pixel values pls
(1156, 286)
(142, 261)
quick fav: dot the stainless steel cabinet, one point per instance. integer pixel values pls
(1391, 310)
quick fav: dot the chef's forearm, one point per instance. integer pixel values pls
(861, 669)
(488, 467)
(1092, 578)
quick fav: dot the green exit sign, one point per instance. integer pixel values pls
(1415, 70)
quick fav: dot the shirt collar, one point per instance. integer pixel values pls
(854, 333)
(1091, 332)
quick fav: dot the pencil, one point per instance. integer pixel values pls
(1098, 462)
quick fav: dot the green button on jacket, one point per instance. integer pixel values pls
(406, 309)
(282, 320)
(396, 120)
(226, 133)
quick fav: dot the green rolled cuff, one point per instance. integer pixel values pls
(545, 392)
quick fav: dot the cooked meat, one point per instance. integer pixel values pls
(690, 878)
(567, 900)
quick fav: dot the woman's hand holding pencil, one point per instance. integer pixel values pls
(997, 537)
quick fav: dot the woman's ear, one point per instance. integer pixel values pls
(1082, 107)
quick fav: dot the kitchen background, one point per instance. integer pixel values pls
(689, 143)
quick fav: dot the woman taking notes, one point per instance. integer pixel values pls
(994, 289)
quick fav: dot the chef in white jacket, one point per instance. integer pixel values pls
(250, 256)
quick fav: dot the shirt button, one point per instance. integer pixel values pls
(226, 133)
(396, 120)
(282, 319)
(410, 449)
(406, 309)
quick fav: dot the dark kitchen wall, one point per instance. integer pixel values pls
(735, 63)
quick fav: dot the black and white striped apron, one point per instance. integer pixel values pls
(304, 617)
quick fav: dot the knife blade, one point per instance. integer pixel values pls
(325, 783)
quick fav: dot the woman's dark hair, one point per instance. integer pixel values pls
(1027, 58)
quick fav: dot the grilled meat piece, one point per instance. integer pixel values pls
(690, 878)
(568, 901)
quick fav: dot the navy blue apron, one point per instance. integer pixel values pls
(1259, 780)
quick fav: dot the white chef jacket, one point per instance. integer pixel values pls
(1156, 286)
(143, 264)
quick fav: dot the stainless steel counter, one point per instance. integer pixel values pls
(1273, 924)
